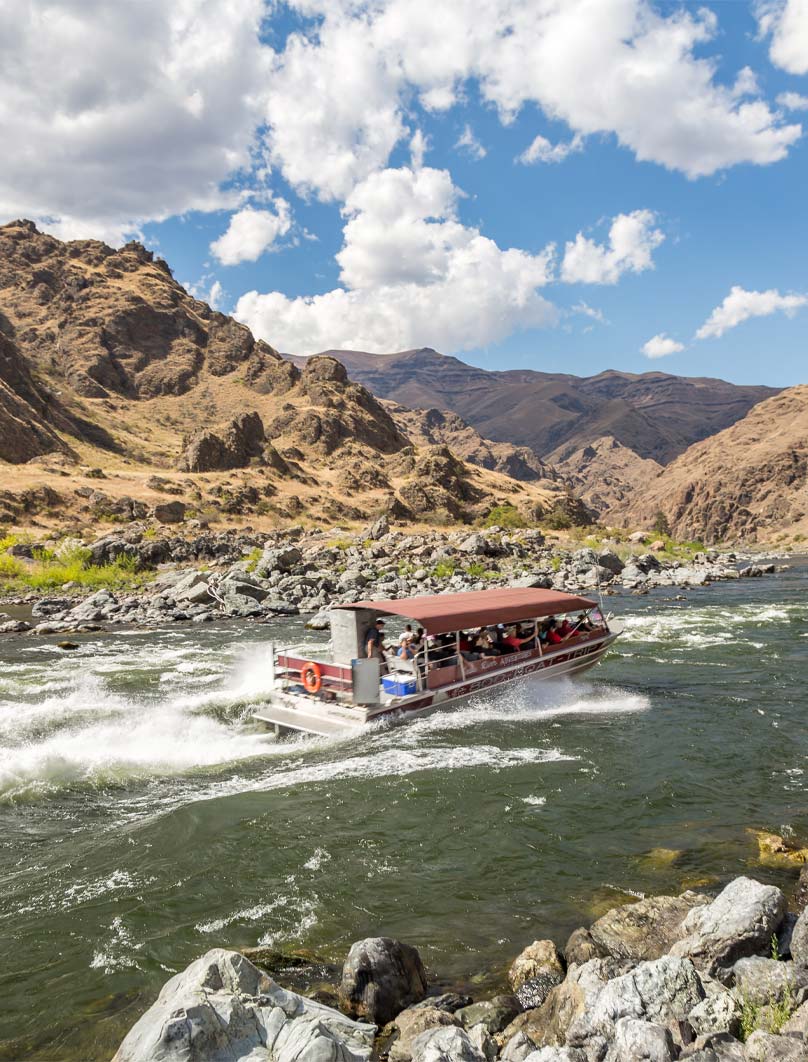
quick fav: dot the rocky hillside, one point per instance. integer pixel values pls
(746, 482)
(118, 388)
(555, 414)
(606, 475)
(431, 427)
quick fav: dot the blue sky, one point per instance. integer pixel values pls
(337, 175)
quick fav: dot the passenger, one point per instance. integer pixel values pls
(417, 642)
(374, 641)
(407, 637)
(553, 635)
(582, 624)
(405, 651)
(565, 628)
(485, 644)
(514, 641)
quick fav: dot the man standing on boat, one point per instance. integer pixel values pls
(374, 641)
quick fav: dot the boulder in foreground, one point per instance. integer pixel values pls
(381, 977)
(223, 1007)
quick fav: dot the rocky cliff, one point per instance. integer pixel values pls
(746, 482)
(109, 364)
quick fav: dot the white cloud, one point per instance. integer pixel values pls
(413, 275)
(333, 108)
(252, 232)
(121, 113)
(793, 101)
(216, 296)
(660, 346)
(337, 107)
(740, 305)
(589, 311)
(541, 150)
(468, 142)
(632, 240)
(787, 23)
(419, 145)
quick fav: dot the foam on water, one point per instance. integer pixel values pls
(82, 731)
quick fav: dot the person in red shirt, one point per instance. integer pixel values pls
(554, 636)
(513, 641)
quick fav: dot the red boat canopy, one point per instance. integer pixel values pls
(443, 613)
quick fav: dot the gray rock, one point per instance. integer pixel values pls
(474, 544)
(715, 1047)
(480, 1038)
(244, 589)
(580, 947)
(495, 1014)
(547, 1025)
(172, 512)
(799, 940)
(767, 1047)
(558, 1054)
(411, 1023)
(646, 929)
(663, 991)
(14, 627)
(539, 581)
(380, 978)
(739, 922)
(642, 1041)
(610, 560)
(534, 972)
(763, 981)
(240, 605)
(223, 1008)
(192, 588)
(445, 1045)
(449, 1001)
(275, 559)
(518, 1048)
(716, 1013)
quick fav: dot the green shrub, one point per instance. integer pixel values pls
(476, 569)
(252, 559)
(505, 515)
(660, 525)
(444, 569)
(10, 567)
(7, 541)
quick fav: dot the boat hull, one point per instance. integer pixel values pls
(301, 712)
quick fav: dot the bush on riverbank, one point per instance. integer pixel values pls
(52, 569)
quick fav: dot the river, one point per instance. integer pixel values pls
(143, 819)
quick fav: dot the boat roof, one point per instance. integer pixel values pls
(443, 613)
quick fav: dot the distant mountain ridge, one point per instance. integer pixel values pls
(655, 414)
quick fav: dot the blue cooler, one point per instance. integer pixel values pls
(398, 685)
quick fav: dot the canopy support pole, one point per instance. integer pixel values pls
(460, 662)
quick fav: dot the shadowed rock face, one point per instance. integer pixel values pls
(25, 410)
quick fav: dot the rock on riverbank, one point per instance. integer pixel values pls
(691, 977)
(249, 576)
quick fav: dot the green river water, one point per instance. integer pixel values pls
(143, 820)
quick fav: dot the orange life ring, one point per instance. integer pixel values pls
(311, 675)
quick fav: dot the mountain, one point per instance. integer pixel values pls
(555, 414)
(606, 475)
(434, 427)
(744, 483)
(123, 386)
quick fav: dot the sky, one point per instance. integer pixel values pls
(561, 185)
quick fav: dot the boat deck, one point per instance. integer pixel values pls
(294, 719)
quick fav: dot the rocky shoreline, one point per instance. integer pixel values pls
(246, 575)
(706, 978)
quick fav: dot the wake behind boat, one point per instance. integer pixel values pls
(468, 642)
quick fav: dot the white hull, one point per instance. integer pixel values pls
(303, 712)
